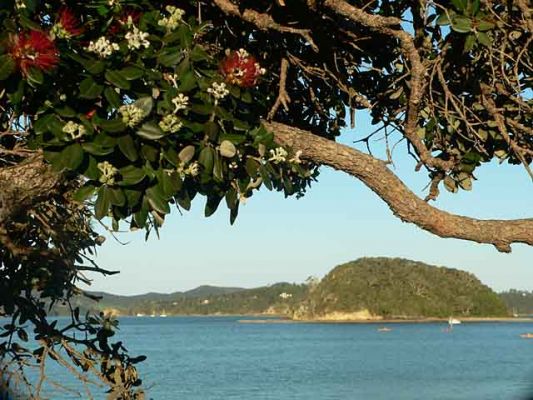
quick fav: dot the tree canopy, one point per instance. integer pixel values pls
(119, 110)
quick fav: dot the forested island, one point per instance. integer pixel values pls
(365, 289)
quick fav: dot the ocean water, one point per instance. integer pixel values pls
(203, 358)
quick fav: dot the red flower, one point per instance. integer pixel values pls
(67, 24)
(34, 49)
(124, 19)
(241, 69)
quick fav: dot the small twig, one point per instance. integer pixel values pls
(283, 97)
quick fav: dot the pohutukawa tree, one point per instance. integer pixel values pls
(121, 110)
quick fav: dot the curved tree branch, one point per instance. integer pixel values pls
(402, 201)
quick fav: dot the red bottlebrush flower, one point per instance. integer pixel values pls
(241, 69)
(91, 113)
(67, 25)
(34, 49)
(128, 17)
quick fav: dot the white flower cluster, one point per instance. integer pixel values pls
(103, 47)
(296, 158)
(218, 91)
(137, 39)
(180, 102)
(170, 123)
(278, 155)
(193, 169)
(243, 55)
(174, 19)
(75, 130)
(171, 78)
(131, 115)
(108, 173)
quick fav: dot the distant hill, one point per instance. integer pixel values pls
(398, 288)
(518, 301)
(363, 289)
(203, 300)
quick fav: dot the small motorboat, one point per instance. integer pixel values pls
(384, 329)
(526, 335)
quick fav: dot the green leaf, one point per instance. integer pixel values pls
(131, 175)
(218, 169)
(475, 7)
(112, 97)
(187, 82)
(187, 154)
(469, 42)
(72, 156)
(169, 181)
(34, 77)
(103, 202)
(117, 197)
(132, 197)
(94, 67)
(97, 149)
(227, 149)
(198, 54)
(157, 200)
(461, 24)
(89, 89)
(207, 159)
(484, 39)
(212, 205)
(127, 147)
(113, 125)
(116, 78)
(443, 20)
(246, 97)
(232, 199)
(460, 5)
(211, 130)
(150, 131)
(252, 166)
(84, 193)
(146, 104)
(7, 67)
(170, 56)
(132, 73)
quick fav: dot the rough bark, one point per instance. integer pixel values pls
(402, 201)
(23, 185)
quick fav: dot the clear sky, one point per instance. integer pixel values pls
(277, 239)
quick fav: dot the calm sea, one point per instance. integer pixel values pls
(220, 358)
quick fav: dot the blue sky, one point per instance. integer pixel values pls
(277, 239)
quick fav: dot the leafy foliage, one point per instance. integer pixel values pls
(140, 106)
(398, 288)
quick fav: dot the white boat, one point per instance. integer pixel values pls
(163, 315)
(453, 321)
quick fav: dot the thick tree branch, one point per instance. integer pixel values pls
(25, 184)
(401, 200)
